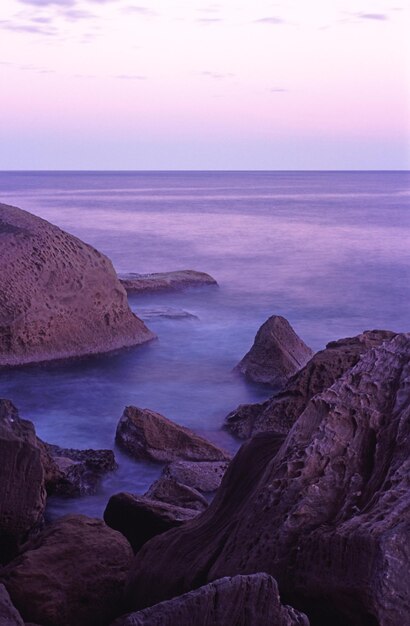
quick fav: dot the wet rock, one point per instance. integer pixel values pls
(327, 514)
(73, 573)
(276, 354)
(168, 490)
(165, 281)
(239, 601)
(9, 616)
(59, 297)
(204, 476)
(281, 411)
(147, 435)
(22, 489)
(165, 312)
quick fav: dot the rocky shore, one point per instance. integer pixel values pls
(309, 523)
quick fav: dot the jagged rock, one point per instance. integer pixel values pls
(239, 601)
(59, 297)
(276, 354)
(165, 281)
(9, 616)
(328, 514)
(150, 436)
(281, 411)
(22, 490)
(168, 490)
(73, 573)
(204, 476)
(140, 518)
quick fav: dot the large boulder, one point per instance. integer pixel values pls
(327, 514)
(165, 281)
(73, 573)
(204, 476)
(281, 411)
(276, 354)
(59, 297)
(22, 485)
(147, 435)
(239, 601)
(169, 490)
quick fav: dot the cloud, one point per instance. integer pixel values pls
(209, 20)
(45, 3)
(36, 29)
(270, 20)
(278, 90)
(217, 75)
(77, 14)
(141, 10)
(130, 77)
(373, 16)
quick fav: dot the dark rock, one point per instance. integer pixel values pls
(281, 411)
(22, 493)
(204, 476)
(276, 354)
(328, 514)
(170, 491)
(59, 297)
(150, 436)
(9, 616)
(165, 281)
(73, 573)
(239, 601)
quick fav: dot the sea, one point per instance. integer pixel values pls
(330, 251)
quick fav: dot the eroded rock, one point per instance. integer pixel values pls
(169, 490)
(9, 616)
(165, 281)
(204, 476)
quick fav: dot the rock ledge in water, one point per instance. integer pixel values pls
(165, 281)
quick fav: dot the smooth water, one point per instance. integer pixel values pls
(329, 251)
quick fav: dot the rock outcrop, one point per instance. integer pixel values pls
(22, 493)
(281, 411)
(327, 514)
(165, 281)
(204, 476)
(169, 490)
(147, 435)
(73, 573)
(239, 601)
(59, 297)
(9, 616)
(276, 354)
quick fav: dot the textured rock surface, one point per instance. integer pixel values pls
(165, 281)
(9, 616)
(22, 490)
(148, 435)
(328, 514)
(276, 354)
(281, 411)
(73, 573)
(239, 601)
(170, 491)
(59, 297)
(205, 476)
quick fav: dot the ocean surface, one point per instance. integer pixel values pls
(329, 251)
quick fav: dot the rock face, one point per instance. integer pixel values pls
(150, 436)
(204, 476)
(59, 297)
(281, 411)
(9, 616)
(239, 601)
(327, 515)
(165, 281)
(276, 354)
(72, 574)
(170, 491)
(22, 493)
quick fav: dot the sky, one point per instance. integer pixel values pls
(165, 84)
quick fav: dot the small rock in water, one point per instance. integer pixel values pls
(165, 281)
(167, 312)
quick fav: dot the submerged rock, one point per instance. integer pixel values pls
(165, 312)
(59, 297)
(281, 411)
(327, 514)
(239, 601)
(276, 354)
(73, 573)
(204, 476)
(165, 281)
(148, 435)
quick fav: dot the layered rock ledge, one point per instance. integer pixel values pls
(59, 297)
(165, 281)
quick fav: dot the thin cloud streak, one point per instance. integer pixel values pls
(217, 75)
(270, 20)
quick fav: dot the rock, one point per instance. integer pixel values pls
(59, 297)
(140, 518)
(73, 472)
(168, 490)
(276, 354)
(239, 601)
(22, 492)
(203, 476)
(73, 573)
(166, 312)
(327, 514)
(165, 281)
(281, 411)
(9, 616)
(150, 436)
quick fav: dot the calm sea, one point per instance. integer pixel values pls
(329, 251)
